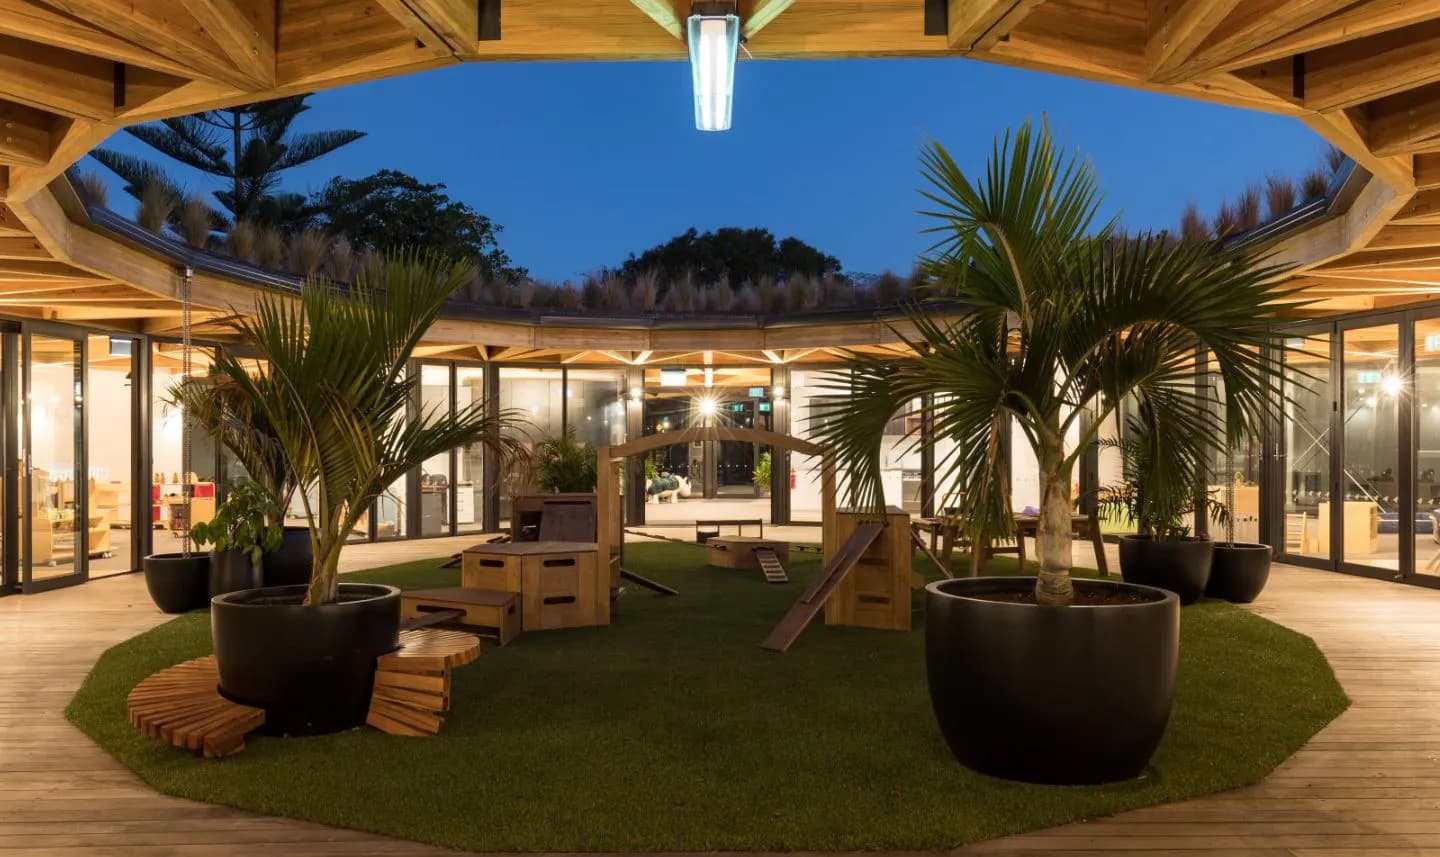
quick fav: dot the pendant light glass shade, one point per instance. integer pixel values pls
(714, 41)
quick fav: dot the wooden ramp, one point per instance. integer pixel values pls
(770, 565)
(813, 598)
(649, 583)
(182, 706)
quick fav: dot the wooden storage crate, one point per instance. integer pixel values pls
(490, 612)
(561, 584)
(876, 592)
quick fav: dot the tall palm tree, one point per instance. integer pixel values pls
(1063, 317)
(247, 146)
(332, 385)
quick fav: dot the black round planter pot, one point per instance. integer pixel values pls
(1239, 572)
(1065, 695)
(310, 668)
(178, 583)
(289, 564)
(232, 571)
(1179, 565)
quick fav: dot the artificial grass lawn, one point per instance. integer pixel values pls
(672, 730)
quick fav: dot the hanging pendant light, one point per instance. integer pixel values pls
(713, 33)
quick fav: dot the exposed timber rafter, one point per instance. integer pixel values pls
(1176, 28)
(1248, 27)
(452, 24)
(978, 24)
(757, 14)
(669, 14)
(243, 29)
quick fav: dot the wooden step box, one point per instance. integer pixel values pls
(561, 584)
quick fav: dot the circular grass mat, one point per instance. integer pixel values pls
(672, 730)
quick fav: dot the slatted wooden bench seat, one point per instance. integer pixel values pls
(412, 683)
(182, 706)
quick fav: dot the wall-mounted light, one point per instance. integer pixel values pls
(707, 407)
(1392, 385)
(713, 33)
(777, 392)
(636, 393)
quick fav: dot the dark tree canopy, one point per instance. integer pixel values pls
(739, 255)
(247, 146)
(392, 209)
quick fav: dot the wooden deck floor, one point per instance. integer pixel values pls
(1367, 786)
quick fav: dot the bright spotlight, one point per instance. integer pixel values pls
(1392, 385)
(707, 407)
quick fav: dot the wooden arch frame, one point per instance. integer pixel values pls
(610, 530)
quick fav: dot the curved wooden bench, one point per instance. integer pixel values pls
(412, 683)
(182, 706)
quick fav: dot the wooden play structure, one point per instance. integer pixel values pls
(610, 535)
(560, 584)
(182, 705)
(412, 683)
(771, 556)
(866, 580)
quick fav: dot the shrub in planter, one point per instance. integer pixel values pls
(1067, 319)
(563, 465)
(1164, 482)
(1239, 571)
(241, 533)
(332, 387)
(761, 476)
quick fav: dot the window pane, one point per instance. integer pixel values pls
(1370, 516)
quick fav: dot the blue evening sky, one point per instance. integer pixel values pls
(584, 163)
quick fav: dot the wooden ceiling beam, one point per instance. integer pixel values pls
(1427, 171)
(450, 24)
(1356, 22)
(22, 248)
(1250, 26)
(1401, 123)
(26, 19)
(1423, 208)
(979, 24)
(1364, 70)
(26, 134)
(757, 14)
(244, 30)
(1405, 238)
(1349, 130)
(57, 81)
(167, 28)
(1176, 28)
(667, 13)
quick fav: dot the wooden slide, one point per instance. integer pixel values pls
(783, 636)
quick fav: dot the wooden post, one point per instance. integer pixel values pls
(606, 499)
(829, 534)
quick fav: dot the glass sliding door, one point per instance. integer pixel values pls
(1427, 448)
(56, 526)
(1369, 510)
(1305, 446)
(112, 453)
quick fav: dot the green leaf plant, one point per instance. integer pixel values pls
(1065, 317)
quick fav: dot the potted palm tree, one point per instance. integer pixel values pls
(1063, 319)
(222, 409)
(1163, 484)
(333, 384)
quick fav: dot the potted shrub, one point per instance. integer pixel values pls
(1163, 484)
(1239, 570)
(240, 534)
(761, 477)
(332, 385)
(1048, 678)
(223, 410)
(564, 466)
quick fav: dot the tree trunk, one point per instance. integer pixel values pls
(1053, 584)
(325, 574)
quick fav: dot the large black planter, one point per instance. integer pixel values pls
(1065, 695)
(289, 564)
(1238, 572)
(310, 668)
(1179, 565)
(178, 583)
(232, 571)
